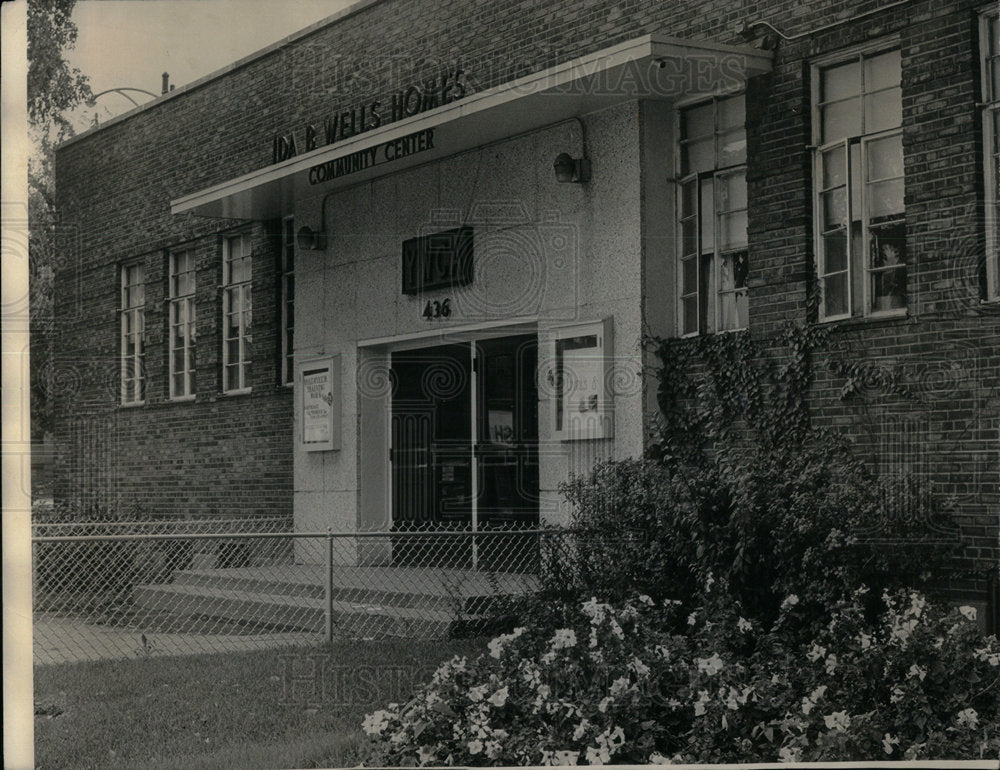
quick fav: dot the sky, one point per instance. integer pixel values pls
(130, 43)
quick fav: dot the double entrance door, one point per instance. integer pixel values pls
(464, 450)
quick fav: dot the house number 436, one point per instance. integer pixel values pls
(435, 309)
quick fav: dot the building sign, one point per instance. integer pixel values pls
(438, 261)
(344, 124)
(580, 377)
(387, 152)
(319, 388)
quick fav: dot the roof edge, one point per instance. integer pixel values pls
(356, 7)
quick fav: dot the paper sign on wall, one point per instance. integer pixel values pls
(319, 393)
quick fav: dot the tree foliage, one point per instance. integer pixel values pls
(53, 86)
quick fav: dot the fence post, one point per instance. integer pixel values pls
(329, 585)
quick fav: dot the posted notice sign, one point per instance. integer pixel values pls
(319, 388)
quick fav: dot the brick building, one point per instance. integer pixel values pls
(396, 268)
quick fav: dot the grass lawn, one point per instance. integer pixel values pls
(266, 709)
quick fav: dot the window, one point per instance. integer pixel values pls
(237, 341)
(712, 211)
(133, 334)
(182, 324)
(288, 301)
(858, 173)
(990, 47)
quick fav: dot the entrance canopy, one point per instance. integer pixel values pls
(648, 67)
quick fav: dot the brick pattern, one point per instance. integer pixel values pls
(231, 454)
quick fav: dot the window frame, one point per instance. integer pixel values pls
(990, 106)
(174, 302)
(287, 299)
(698, 178)
(819, 147)
(244, 288)
(137, 314)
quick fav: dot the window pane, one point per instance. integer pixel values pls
(689, 280)
(840, 82)
(835, 294)
(834, 168)
(707, 216)
(834, 208)
(732, 191)
(690, 314)
(885, 198)
(841, 119)
(732, 148)
(689, 237)
(885, 157)
(698, 121)
(689, 198)
(835, 251)
(882, 71)
(732, 112)
(883, 110)
(733, 230)
(887, 245)
(698, 156)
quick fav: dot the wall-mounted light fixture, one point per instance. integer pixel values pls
(570, 169)
(310, 240)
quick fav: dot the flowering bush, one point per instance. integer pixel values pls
(607, 684)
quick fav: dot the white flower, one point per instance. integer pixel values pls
(831, 663)
(662, 651)
(595, 610)
(656, 758)
(888, 742)
(789, 754)
(640, 668)
(866, 640)
(563, 638)
(985, 654)
(616, 738)
(476, 746)
(643, 599)
(968, 718)
(710, 666)
(597, 756)
(807, 706)
(816, 652)
(916, 671)
(476, 694)
(838, 720)
(809, 702)
(593, 637)
(969, 612)
(499, 697)
(496, 645)
(693, 618)
(603, 705)
(699, 706)
(897, 695)
(674, 703)
(547, 658)
(619, 686)
(744, 625)
(917, 603)
(709, 582)
(790, 601)
(616, 629)
(424, 756)
(376, 722)
(580, 729)
(492, 749)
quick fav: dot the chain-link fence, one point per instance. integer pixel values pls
(113, 590)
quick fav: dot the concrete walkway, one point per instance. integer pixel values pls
(63, 640)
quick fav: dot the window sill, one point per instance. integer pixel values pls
(240, 392)
(181, 399)
(888, 318)
(131, 405)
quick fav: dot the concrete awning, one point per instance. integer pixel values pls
(648, 67)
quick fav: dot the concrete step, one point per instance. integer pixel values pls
(356, 619)
(291, 587)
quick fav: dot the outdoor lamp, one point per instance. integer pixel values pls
(310, 240)
(569, 169)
